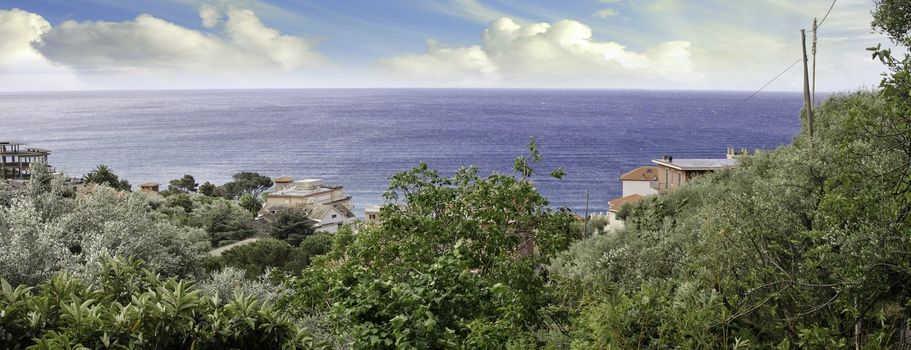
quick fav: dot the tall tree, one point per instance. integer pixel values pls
(103, 175)
(292, 226)
(186, 184)
(246, 182)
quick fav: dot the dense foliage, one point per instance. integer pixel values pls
(103, 175)
(292, 226)
(131, 307)
(453, 264)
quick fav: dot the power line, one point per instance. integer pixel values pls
(767, 84)
(827, 14)
(786, 69)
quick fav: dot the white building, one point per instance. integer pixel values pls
(326, 218)
(287, 191)
(642, 181)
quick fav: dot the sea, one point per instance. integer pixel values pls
(359, 137)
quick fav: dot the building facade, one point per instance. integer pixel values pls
(16, 160)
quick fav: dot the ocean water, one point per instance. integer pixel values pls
(359, 137)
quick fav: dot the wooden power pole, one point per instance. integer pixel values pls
(585, 226)
(806, 83)
(813, 86)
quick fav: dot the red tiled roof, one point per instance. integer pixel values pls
(643, 173)
(616, 203)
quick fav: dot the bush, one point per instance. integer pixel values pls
(132, 308)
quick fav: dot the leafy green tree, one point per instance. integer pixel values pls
(103, 175)
(261, 255)
(225, 221)
(316, 244)
(131, 307)
(453, 264)
(292, 226)
(210, 190)
(250, 183)
(186, 184)
(253, 204)
(893, 17)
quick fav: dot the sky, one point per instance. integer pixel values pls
(602, 44)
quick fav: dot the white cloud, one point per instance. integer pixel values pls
(210, 15)
(542, 54)
(149, 43)
(605, 13)
(17, 30)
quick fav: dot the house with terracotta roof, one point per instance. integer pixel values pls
(674, 173)
(614, 205)
(642, 181)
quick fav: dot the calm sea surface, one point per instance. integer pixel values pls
(358, 138)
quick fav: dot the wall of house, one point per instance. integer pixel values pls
(330, 224)
(643, 188)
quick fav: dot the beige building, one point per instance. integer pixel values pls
(326, 218)
(674, 173)
(149, 187)
(287, 191)
(372, 214)
(329, 206)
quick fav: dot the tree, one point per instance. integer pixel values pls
(292, 226)
(246, 182)
(210, 190)
(103, 175)
(261, 255)
(893, 17)
(186, 184)
(453, 264)
(249, 202)
(225, 221)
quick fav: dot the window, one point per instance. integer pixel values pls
(333, 216)
(678, 180)
(666, 178)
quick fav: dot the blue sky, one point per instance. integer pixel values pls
(643, 44)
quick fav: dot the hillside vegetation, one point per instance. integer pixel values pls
(807, 246)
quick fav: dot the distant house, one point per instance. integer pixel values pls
(614, 205)
(642, 181)
(326, 218)
(372, 214)
(329, 206)
(287, 191)
(674, 173)
(149, 187)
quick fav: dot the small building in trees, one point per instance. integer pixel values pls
(372, 214)
(614, 205)
(150, 187)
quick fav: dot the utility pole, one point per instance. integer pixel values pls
(813, 88)
(585, 226)
(806, 83)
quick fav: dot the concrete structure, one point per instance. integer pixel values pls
(16, 160)
(642, 181)
(372, 214)
(674, 173)
(326, 218)
(149, 187)
(309, 191)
